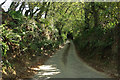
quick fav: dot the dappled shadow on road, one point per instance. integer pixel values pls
(50, 68)
(45, 71)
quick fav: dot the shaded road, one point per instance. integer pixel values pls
(66, 64)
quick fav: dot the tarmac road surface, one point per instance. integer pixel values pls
(66, 64)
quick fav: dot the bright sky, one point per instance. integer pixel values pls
(6, 5)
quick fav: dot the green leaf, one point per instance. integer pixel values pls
(16, 15)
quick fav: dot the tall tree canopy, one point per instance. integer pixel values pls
(31, 29)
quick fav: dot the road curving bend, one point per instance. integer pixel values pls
(66, 64)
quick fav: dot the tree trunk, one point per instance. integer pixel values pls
(47, 10)
(22, 7)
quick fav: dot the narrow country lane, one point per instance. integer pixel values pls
(66, 64)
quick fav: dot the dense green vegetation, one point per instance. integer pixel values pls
(39, 30)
